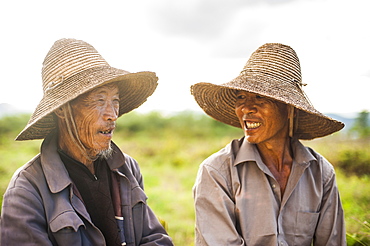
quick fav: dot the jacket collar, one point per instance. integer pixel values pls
(117, 159)
(56, 174)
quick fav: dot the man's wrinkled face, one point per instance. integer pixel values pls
(261, 118)
(95, 114)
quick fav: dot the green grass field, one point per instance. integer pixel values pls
(169, 151)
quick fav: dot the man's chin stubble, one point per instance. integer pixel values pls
(105, 154)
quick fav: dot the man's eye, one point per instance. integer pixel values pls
(240, 97)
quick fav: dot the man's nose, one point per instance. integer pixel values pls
(249, 107)
(111, 112)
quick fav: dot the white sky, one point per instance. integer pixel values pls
(192, 41)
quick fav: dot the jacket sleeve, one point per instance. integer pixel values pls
(331, 225)
(22, 219)
(152, 232)
(215, 209)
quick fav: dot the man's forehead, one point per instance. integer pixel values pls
(244, 92)
(103, 89)
(106, 87)
(238, 92)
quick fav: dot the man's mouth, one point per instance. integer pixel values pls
(105, 132)
(108, 131)
(252, 125)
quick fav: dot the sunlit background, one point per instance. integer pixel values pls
(185, 42)
(192, 41)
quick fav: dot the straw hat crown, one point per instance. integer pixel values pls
(73, 67)
(273, 70)
(275, 61)
(66, 58)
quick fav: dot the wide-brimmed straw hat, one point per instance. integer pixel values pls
(73, 67)
(273, 71)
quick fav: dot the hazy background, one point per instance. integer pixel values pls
(192, 41)
(186, 42)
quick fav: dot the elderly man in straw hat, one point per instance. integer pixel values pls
(81, 189)
(267, 188)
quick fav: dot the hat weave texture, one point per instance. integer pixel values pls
(273, 71)
(73, 67)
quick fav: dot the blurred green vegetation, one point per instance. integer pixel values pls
(361, 127)
(169, 149)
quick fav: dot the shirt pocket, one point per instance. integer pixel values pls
(138, 196)
(65, 228)
(305, 227)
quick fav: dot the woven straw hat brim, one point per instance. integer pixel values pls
(218, 101)
(134, 89)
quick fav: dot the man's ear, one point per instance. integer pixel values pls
(59, 112)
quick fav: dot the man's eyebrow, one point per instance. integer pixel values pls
(101, 91)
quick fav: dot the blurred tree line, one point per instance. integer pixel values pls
(361, 126)
(357, 160)
(192, 126)
(186, 123)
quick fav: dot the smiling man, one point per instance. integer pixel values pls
(81, 189)
(267, 188)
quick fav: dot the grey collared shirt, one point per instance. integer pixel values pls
(238, 201)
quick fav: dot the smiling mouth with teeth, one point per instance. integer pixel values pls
(252, 125)
(106, 132)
